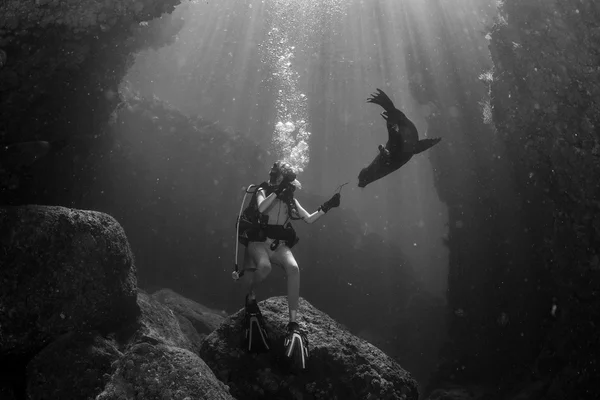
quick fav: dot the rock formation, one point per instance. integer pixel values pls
(62, 270)
(341, 365)
(61, 63)
(524, 307)
(545, 96)
(73, 324)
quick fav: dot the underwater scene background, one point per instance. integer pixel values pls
(129, 131)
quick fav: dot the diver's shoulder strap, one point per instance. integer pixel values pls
(264, 186)
(253, 189)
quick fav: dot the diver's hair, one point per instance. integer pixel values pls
(297, 184)
(287, 170)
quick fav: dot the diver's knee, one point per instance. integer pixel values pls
(264, 269)
(292, 270)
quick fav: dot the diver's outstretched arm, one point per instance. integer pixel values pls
(306, 217)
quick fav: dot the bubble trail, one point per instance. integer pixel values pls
(293, 25)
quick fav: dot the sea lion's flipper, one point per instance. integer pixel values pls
(394, 118)
(385, 153)
(425, 144)
(383, 100)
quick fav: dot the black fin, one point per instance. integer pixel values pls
(296, 347)
(425, 144)
(256, 337)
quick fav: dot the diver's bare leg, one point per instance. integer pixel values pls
(256, 266)
(284, 257)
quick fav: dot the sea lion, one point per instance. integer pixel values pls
(403, 142)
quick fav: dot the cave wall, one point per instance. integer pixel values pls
(63, 63)
(545, 97)
(492, 292)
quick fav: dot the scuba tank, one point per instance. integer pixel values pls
(249, 222)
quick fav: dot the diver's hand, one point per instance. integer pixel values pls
(280, 188)
(286, 193)
(283, 188)
(334, 201)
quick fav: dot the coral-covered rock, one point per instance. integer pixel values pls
(163, 372)
(158, 324)
(204, 319)
(195, 320)
(341, 366)
(133, 358)
(62, 270)
(75, 366)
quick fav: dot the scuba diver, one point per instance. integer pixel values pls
(265, 229)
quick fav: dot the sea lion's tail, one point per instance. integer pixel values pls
(425, 144)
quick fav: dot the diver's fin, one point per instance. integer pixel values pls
(256, 337)
(425, 144)
(296, 347)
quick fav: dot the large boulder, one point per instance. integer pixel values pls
(133, 359)
(158, 324)
(195, 320)
(62, 270)
(74, 325)
(342, 366)
(75, 366)
(204, 319)
(158, 372)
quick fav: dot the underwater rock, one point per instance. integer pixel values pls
(196, 321)
(78, 16)
(191, 333)
(163, 372)
(66, 48)
(457, 393)
(75, 366)
(204, 319)
(84, 365)
(62, 270)
(158, 363)
(552, 87)
(342, 366)
(157, 324)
